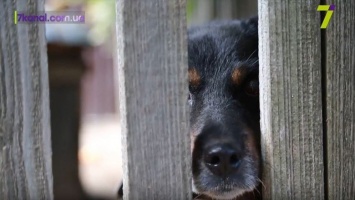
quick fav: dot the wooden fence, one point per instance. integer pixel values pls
(307, 100)
(25, 139)
(156, 142)
(307, 78)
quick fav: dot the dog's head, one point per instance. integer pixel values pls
(224, 99)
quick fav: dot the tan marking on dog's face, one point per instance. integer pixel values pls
(238, 75)
(251, 144)
(194, 77)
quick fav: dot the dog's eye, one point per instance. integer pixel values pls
(252, 88)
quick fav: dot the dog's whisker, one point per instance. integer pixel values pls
(251, 55)
(259, 180)
(198, 196)
(257, 60)
(256, 189)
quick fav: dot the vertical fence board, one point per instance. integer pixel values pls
(152, 60)
(25, 146)
(291, 102)
(340, 100)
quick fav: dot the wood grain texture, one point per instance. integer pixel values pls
(152, 60)
(291, 100)
(25, 146)
(340, 100)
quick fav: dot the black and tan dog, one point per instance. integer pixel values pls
(224, 100)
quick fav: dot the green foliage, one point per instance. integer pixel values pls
(190, 8)
(102, 16)
(99, 17)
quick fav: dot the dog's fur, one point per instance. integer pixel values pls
(224, 101)
(223, 85)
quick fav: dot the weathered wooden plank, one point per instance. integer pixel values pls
(291, 100)
(25, 145)
(152, 60)
(340, 100)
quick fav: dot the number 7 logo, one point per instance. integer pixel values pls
(329, 9)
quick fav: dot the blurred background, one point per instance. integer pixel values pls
(83, 93)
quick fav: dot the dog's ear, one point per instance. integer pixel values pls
(249, 43)
(251, 25)
(253, 21)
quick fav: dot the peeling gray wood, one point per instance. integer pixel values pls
(25, 146)
(152, 60)
(340, 100)
(291, 99)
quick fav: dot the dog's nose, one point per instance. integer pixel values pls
(222, 160)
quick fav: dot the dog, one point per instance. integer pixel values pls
(223, 72)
